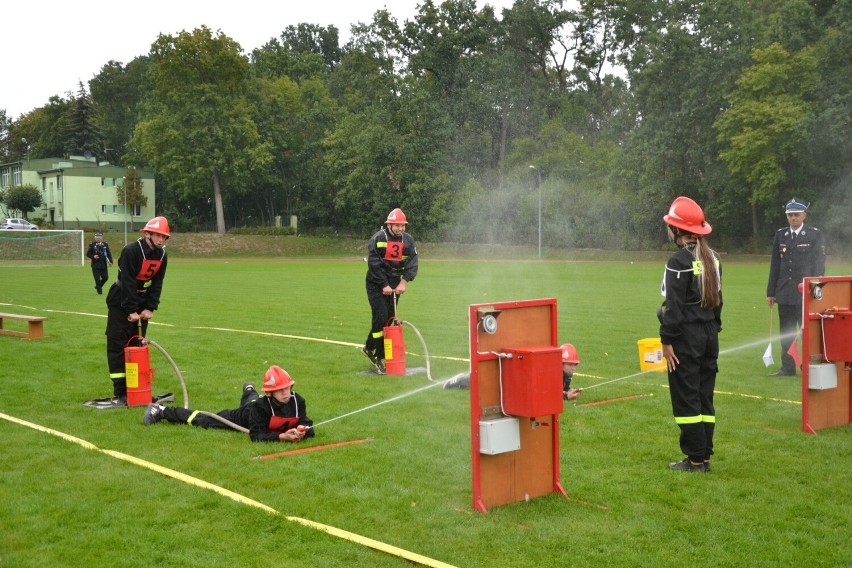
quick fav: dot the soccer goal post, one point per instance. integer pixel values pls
(42, 248)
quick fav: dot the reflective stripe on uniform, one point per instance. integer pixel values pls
(118, 375)
(695, 419)
(192, 416)
(378, 334)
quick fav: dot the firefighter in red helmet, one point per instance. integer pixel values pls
(132, 300)
(391, 265)
(570, 360)
(690, 322)
(280, 415)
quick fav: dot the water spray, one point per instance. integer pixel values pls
(303, 428)
(392, 399)
(639, 374)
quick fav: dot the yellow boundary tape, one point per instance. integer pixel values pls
(334, 531)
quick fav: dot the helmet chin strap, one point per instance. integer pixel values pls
(151, 243)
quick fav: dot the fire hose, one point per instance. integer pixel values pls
(186, 395)
(183, 383)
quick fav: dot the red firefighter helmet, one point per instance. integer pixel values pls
(276, 378)
(159, 225)
(569, 354)
(396, 217)
(686, 214)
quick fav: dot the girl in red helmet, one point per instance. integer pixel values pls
(391, 264)
(279, 416)
(690, 322)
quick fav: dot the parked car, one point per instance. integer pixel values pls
(18, 224)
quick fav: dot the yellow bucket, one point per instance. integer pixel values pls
(651, 354)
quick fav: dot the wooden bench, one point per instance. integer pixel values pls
(35, 326)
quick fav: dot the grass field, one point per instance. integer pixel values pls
(776, 497)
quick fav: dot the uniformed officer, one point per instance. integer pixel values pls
(100, 256)
(797, 251)
(391, 264)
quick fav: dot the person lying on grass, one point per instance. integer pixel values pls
(278, 416)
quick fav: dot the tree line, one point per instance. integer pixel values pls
(582, 122)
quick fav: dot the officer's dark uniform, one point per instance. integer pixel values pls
(389, 260)
(793, 258)
(693, 332)
(99, 265)
(141, 270)
(263, 416)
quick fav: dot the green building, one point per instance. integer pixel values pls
(81, 193)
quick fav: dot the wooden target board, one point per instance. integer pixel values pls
(514, 353)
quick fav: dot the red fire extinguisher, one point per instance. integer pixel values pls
(138, 371)
(394, 345)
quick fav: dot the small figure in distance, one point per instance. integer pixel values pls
(101, 257)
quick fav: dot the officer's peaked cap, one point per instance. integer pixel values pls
(796, 206)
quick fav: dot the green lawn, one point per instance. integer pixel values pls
(776, 497)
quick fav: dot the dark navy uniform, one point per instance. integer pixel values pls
(100, 255)
(263, 416)
(793, 258)
(566, 382)
(389, 260)
(141, 270)
(693, 332)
